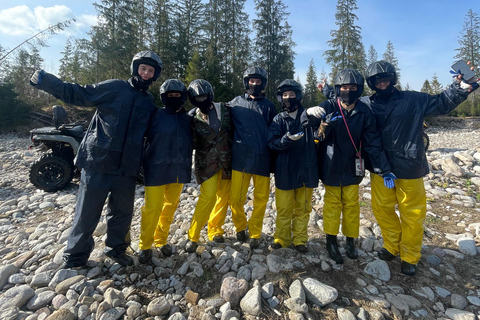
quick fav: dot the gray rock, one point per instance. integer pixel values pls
(40, 300)
(230, 315)
(158, 307)
(319, 293)
(251, 303)
(62, 314)
(267, 290)
(467, 246)
(277, 264)
(456, 314)
(458, 301)
(296, 305)
(63, 286)
(60, 276)
(177, 316)
(233, 289)
(296, 291)
(16, 297)
(113, 314)
(41, 280)
(442, 292)
(378, 269)
(6, 272)
(345, 314)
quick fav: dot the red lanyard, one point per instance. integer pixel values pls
(359, 151)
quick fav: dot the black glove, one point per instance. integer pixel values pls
(332, 118)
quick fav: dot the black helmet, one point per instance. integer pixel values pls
(349, 76)
(174, 85)
(199, 87)
(380, 68)
(146, 57)
(255, 72)
(290, 85)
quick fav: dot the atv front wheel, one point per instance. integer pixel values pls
(50, 173)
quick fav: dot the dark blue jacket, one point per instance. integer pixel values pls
(296, 163)
(400, 121)
(337, 154)
(168, 150)
(251, 119)
(114, 140)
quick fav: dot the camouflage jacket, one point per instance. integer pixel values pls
(213, 152)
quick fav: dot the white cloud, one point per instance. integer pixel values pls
(17, 21)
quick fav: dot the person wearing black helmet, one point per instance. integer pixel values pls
(212, 131)
(400, 116)
(350, 133)
(293, 144)
(109, 155)
(167, 165)
(252, 114)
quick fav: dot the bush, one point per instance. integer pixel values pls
(14, 113)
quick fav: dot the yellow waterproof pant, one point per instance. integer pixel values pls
(157, 214)
(219, 213)
(401, 235)
(238, 195)
(210, 190)
(341, 201)
(293, 211)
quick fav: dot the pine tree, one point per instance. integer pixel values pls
(347, 50)
(372, 55)
(310, 97)
(436, 86)
(427, 88)
(273, 44)
(407, 87)
(389, 56)
(469, 39)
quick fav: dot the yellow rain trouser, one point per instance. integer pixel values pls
(157, 214)
(238, 195)
(293, 211)
(341, 201)
(401, 235)
(217, 217)
(210, 190)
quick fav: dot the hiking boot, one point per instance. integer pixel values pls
(145, 256)
(301, 248)
(275, 246)
(121, 258)
(408, 268)
(385, 255)
(332, 248)
(166, 250)
(242, 236)
(352, 252)
(219, 239)
(191, 246)
(254, 243)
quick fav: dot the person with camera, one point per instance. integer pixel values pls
(252, 114)
(399, 117)
(212, 131)
(347, 134)
(109, 155)
(167, 166)
(296, 169)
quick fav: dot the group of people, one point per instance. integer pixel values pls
(246, 140)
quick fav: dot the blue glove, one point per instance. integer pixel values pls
(37, 77)
(389, 180)
(332, 118)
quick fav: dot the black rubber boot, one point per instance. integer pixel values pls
(408, 268)
(144, 256)
(385, 255)
(332, 248)
(352, 252)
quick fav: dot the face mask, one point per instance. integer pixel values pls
(385, 94)
(204, 106)
(349, 97)
(141, 84)
(254, 90)
(174, 103)
(290, 104)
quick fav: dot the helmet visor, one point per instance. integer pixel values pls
(383, 78)
(201, 98)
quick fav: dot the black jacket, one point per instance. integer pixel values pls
(251, 119)
(114, 140)
(296, 163)
(168, 150)
(337, 154)
(400, 121)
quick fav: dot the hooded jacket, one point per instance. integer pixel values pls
(213, 152)
(337, 153)
(113, 142)
(296, 163)
(168, 149)
(400, 122)
(251, 119)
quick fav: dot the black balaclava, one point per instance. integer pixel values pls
(254, 90)
(204, 105)
(349, 96)
(174, 103)
(290, 104)
(385, 94)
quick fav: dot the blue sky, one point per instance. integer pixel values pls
(424, 33)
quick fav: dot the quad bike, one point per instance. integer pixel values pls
(426, 139)
(54, 170)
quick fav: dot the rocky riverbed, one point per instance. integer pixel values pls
(230, 281)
